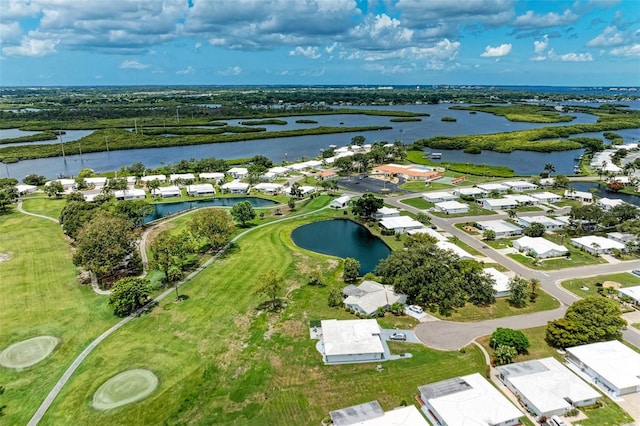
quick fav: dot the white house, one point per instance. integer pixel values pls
(279, 170)
(238, 172)
(493, 187)
(167, 192)
(131, 180)
(520, 185)
(597, 245)
(607, 204)
(498, 203)
(67, 184)
(547, 197)
(436, 197)
(269, 188)
(452, 207)
(349, 341)
(370, 295)
(523, 200)
(469, 192)
(460, 252)
(550, 224)
(340, 202)
(23, 189)
(431, 232)
(235, 187)
(632, 292)
(182, 176)
(539, 247)
(305, 189)
(372, 414)
(611, 365)
(546, 387)
(151, 178)
(98, 182)
(572, 194)
(268, 176)
(384, 212)
(200, 189)
(400, 223)
(622, 237)
(214, 176)
(502, 228)
(467, 400)
(129, 194)
(501, 282)
(546, 181)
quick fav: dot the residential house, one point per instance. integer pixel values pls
(130, 194)
(200, 190)
(340, 202)
(539, 247)
(585, 197)
(370, 295)
(501, 282)
(269, 188)
(372, 414)
(24, 189)
(520, 185)
(550, 224)
(607, 204)
(348, 341)
(501, 228)
(436, 197)
(400, 224)
(452, 207)
(493, 187)
(238, 172)
(167, 192)
(597, 245)
(384, 212)
(235, 187)
(469, 192)
(547, 197)
(216, 177)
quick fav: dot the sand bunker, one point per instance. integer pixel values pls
(125, 388)
(4, 257)
(28, 352)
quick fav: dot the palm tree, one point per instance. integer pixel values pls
(629, 168)
(534, 284)
(512, 213)
(549, 168)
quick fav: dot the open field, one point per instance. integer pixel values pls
(526, 113)
(576, 286)
(418, 203)
(50, 207)
(417, 157)
(40, 296)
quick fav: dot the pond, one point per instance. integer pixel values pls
(342, 238)
(167, 209)
(602, 192)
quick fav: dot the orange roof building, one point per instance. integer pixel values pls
(408, 172)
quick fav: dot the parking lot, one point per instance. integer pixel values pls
(368, 184)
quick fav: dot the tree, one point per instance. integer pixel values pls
(509, 337)
(153, 186)
(423, 218)
(270, 286)
(589, 320)
(128, 295)
(397, 308)
(489, 234)
(534, 285)
(134, 211)
(518, 288)
(75, 214)
(291, 203)
(615, 185)
(316, 278)
(358, 140)
(624, 212)
(168, 254)
(344, 165)
(255, 171)
(367, 205)
(351, 270)
(214, 225)
(296, 191)
(54, 189)
(104, 243)
(560, 181)
(334, 298)
(115, 184)
(8, 194)
(503, 355)
(549, 168)
(536, 229)
(75, 196)
(34, 179)
(262, 160)
(512, 213)
(243, 212)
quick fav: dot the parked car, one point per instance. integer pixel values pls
(556, 421)
(415, 308)
(398, 336)
(636, 272)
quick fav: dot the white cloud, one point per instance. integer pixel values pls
(450, 14)
(10, 33)
(576, 57)
(531, 20)
(31, 47)
(133, 65)
(539, 48)
(390, 69)
(610, 37)
(187, 70)
(198, 45)
(380, 32)
(231, 71)
(633, 50)
(309, 52)
(502, 50)
(330, 49)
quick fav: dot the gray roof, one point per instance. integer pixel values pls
(445, 387)
(522, 368)
(352, 290)
(356, 414)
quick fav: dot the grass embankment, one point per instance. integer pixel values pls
(524, 113)
(405, 119)
(40, 296)
(418, 157)
(50, 207)
(42, 136)
(576, 286)
(264, 122)
(544, 139)
(190, 131)
(418, 203)
(221, 362)
(119, 139)
(306, 121)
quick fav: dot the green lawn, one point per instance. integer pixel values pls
(421, 186)
(418, 202)
(575, 286)
(608, 414)
(578, 257)
(502, 308)
(40, 296)
(500, 243)
(45, 206)
(221, 362)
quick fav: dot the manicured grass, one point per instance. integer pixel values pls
(578, 257)
(500, 243)
(45, 206)
(466, 247)
(414, 186)
(474, 210)
(502, 308)
(483, 170)
(418, 203)
(609, 414)
(528, 209)
(220, 361)
(463, 226)
(41, 296)
(575, 286)
(538, 346)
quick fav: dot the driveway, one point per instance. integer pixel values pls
(368, 184)
(411, 337)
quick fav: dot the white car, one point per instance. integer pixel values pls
(415, 308)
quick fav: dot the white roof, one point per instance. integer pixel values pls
(387, 210)
(539, 245)
(501, 280)
(149, 178)
(351, 337)
(488, 187)
(451, 205)
(268, 187)
(236, 184)
(615, 362)
(200, 187)
(522, 198)
(95, 180)
(131, 179)
(500, 202)
(469, 191)
(314, 163)
(442, 195)
(185, 176)
(129, 192)
(341, 200)
(64, 182)
(432, 232)
(167, 190)
(401, 416)
(299, 166)
(477, 403)
(519, 184)
(545, 220)
(608, 203)
(578, 194)
(279, 169)
(632, 292)
(398, 222)
(21, 187)
(627, 236)
(602, 242)
(212, 175)
(546, 383)
(499, 226)
(374, 295)
(543, 196)
(462, 254)
(546, 181)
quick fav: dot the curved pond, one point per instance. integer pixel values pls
(342, 238)
(167, 209)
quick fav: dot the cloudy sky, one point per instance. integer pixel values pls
(136, 42)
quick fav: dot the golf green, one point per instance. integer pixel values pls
(28, 352)
(125, 388)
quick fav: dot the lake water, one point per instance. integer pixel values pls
(342, 238)
(68, 136)
(295, 148)
(166, 209)
(602, 192)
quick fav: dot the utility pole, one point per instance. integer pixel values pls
(107, 142)
(6, 165)
(80, 147)
(62, 145)
(177, 114)
(135, 124)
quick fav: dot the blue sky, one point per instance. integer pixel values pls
(422, 42)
